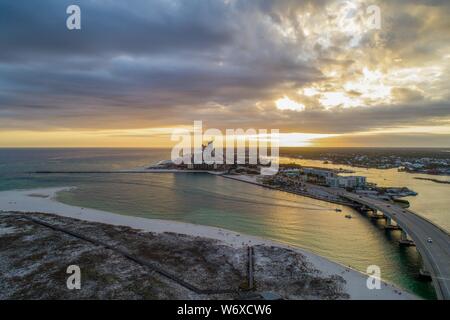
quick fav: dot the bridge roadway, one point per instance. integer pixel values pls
(435, 255)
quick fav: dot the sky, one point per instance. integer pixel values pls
(323, 72)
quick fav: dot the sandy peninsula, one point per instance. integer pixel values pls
(326, 279)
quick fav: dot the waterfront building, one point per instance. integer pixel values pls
(346, 181)
(319, 172)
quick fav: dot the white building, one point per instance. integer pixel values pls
(320, 172)
(346, 182)
(334, 180)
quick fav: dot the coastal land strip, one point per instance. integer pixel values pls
(121, 257)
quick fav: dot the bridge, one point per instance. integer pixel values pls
(435, 255)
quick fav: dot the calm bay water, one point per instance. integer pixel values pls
(215, 201)
(432, 201)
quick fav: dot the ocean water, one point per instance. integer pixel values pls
(216, 201)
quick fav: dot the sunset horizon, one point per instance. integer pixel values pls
(334, 73)
(227, 157)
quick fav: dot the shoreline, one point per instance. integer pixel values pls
(44, 200)
(433, 180)
(247, 179)
(365, 167)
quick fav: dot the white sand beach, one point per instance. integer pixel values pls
(44, 201)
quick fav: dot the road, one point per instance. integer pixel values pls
(435, 255)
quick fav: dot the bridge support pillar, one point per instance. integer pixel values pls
(376, 215)
(404, 235)
(404, 239)
(390, 225)
(424, 273)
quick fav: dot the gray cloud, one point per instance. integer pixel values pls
(149, 63)
(156, 55)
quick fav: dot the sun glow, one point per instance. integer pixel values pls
(310, 92)
(296, 139)
(291, 139)
(288, 104)
(334, 99)
(123, 138)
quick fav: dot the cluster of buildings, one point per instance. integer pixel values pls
(426, 165)
(326, 177)
(197, 162)
(295, 179)
(409, 163)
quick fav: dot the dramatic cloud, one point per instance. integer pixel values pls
(315, 67)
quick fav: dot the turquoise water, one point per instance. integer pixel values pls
(216, 201)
